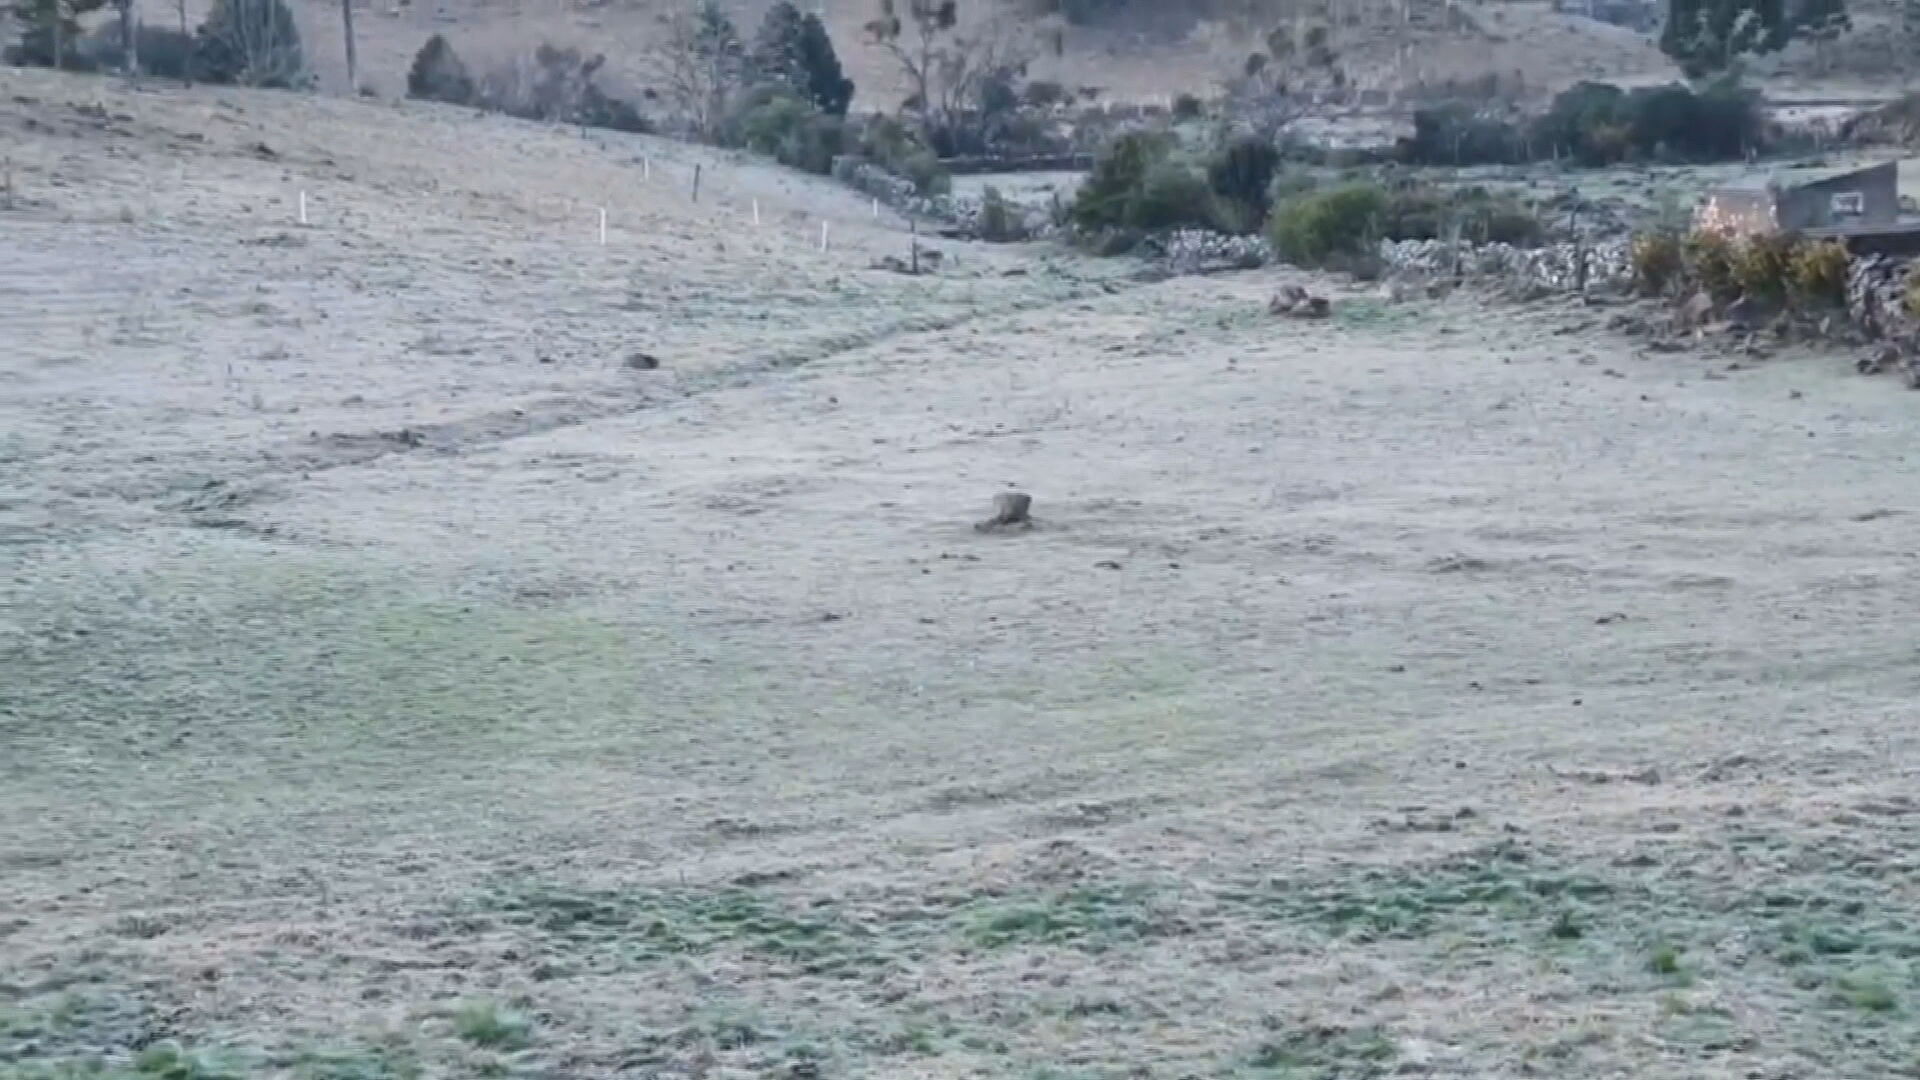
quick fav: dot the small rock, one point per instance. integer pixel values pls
(640, 361)
(1011, 510)
(1106, 564)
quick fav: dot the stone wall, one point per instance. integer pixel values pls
(1556, 267)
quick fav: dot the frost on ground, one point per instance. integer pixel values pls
(401, 678)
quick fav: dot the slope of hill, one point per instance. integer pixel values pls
(1543, 47)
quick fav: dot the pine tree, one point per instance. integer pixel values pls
(795, 51)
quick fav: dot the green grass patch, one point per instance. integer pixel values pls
(492, 1026)
(641, 926)
(1324, 1053)
(1096, 917)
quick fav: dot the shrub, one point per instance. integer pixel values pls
(1763, 267)
(1172, 195)
(1318, 228)
(899, 149)
(1241, 175)
(1575, 114)
(1188, 107)
(439, 75)
(1599, 123)
(162, 52)
(1818, 274)
(1000, 221)
(1658, 263)
(1709, 261)
(774, 122)
(1458, 135)
(1473, 213)
(1118, 173)
(1911, 297)
(250, 43)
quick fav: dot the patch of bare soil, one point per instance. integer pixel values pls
(400, 680)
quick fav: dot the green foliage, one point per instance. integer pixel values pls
(775, 122)
(1595, 124)
(1173, 195)
(169, 1061)
(900, 150)
(250, 43)
(1471, 213)
(1709, 259)
(1241, 176)
(163, 51)
(1818, 274)
(1658, 263)
(1319, 228)
(1763, 267)
(1460, 135)
(439, 75)
(794, 51)
(1665, 961)
(1117, 177)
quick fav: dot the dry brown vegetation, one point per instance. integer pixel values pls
(437, 644)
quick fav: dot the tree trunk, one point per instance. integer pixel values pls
(59, 39)
(353, 65)
(129, 40)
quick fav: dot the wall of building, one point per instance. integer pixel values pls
(1811, 206)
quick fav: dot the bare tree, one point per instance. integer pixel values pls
(353, 65)
(129, 39)
(948, 70)
(1279, 86)
(703, 63)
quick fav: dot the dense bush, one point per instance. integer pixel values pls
(773, 121)
(250, 43)
(1459, 135)
(1658, 263)
(1172, 195)
(1241, 177)
(1473, 214)
(899, 149)
(1597, 124)
(1818, 275)
(439, 75)
(162, 51)
(1322, 227)
(1763, 267)
(1709, 259)
(1118, 175)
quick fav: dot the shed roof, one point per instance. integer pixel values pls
(1794, 176)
